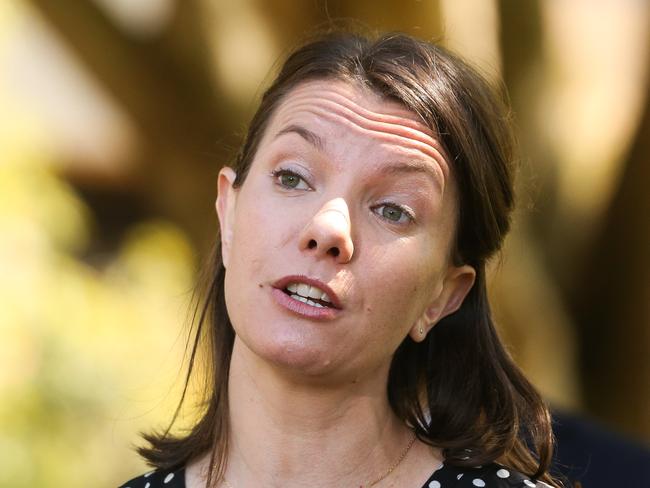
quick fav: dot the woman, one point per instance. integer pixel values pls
(350, 336)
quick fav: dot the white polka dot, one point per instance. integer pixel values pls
(147, 485)
(168, 478)
(503, 473)
(459, 476)
(478, 482)
(530, 483)
(148, 474)
(434, 484)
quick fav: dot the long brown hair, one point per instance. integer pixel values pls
(458, 389)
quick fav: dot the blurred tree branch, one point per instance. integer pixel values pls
(521, 40)
(612, 298)
(534, 329)
(608, 291)
(165, 86)
(164, 83)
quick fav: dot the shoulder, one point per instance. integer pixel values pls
(489, 476)
(158, 479)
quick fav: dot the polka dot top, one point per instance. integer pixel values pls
(446, 476)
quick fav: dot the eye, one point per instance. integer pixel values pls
(395, 213)
(290, 179)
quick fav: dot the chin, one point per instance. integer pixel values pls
(302, 358)
(296, 356)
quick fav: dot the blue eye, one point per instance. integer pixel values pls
(394, 213)
(290, 179)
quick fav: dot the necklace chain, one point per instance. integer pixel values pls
(373, 483)
(397, 463)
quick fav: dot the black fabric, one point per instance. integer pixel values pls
(597, 457)
(489, 476)
(155, 479)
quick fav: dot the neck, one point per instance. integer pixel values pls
(294, 433)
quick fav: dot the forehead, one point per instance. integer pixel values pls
(355, 103)
(351, 108)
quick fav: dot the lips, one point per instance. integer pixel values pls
(333, 302)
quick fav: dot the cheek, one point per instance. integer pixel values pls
(247, 247)
(256, 226)
(248, 255)
(406, 282)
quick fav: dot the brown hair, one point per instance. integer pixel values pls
(459, 389)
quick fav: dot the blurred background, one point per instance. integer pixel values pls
(116, 115)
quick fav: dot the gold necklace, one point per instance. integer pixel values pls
(397, 463)
(373, 483)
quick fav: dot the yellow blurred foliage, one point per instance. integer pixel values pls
(80, 372)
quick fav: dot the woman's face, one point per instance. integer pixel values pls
(352, 193)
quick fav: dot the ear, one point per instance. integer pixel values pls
(225, 204)
(456, 285)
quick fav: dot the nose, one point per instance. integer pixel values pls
(329, 232)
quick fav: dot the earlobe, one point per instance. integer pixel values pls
(420, 329)
(457, 284)
(225, 205)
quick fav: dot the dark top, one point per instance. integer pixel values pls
(488, 476)
(596, 456)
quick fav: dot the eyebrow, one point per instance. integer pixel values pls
(392, 169)
(306, 134)
(411, 167)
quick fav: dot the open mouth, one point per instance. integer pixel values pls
(296, 291)
(310, 295)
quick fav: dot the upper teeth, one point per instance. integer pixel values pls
(308, 291)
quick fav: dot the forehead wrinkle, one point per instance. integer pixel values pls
(303, 92)
(374, 123)
(440, 169)
(366, 117)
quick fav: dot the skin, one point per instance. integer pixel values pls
(307, 397)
